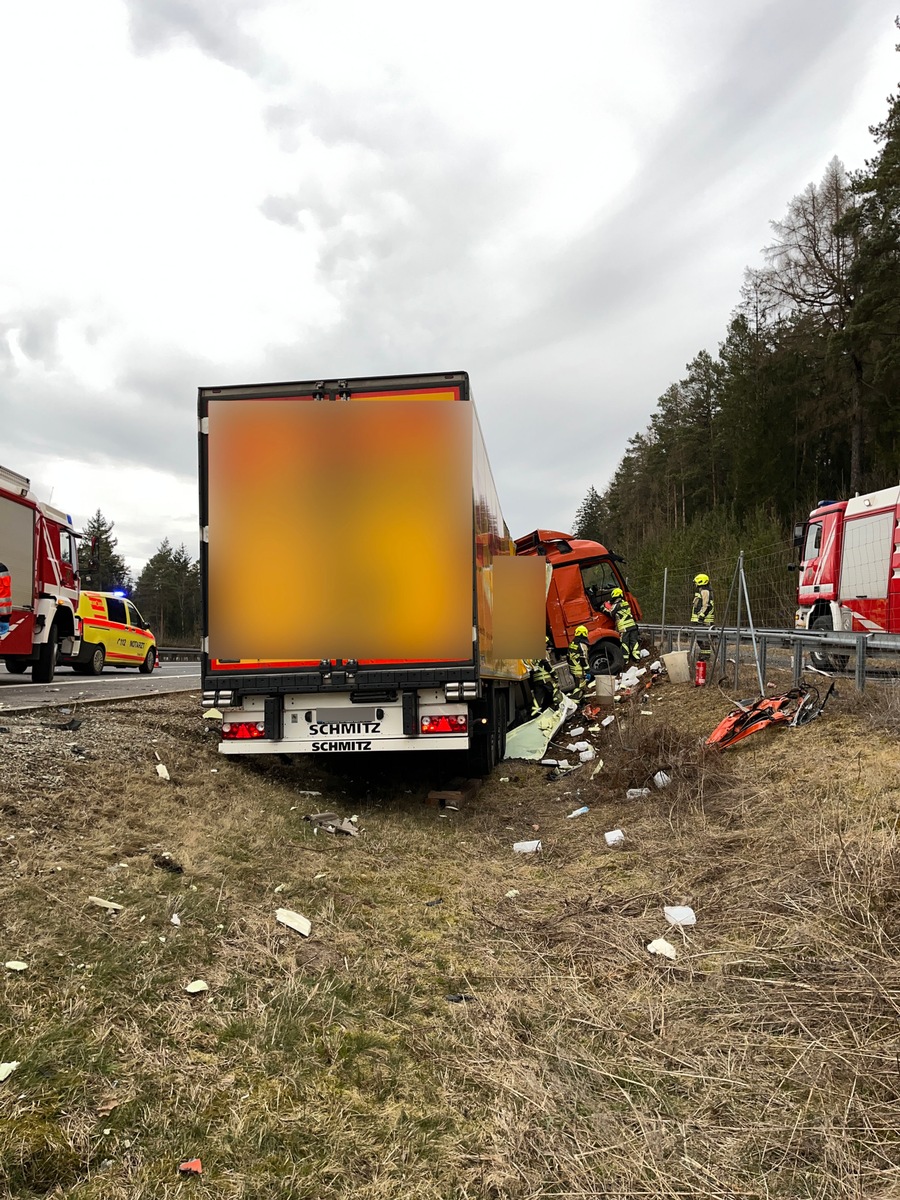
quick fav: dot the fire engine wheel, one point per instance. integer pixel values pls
(607, 658)
(827, 662)
(44, 670)
(17, 666)
(97, 661)
(149, 662)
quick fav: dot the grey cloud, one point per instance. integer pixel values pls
(214, 26)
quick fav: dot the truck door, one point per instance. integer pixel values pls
(819, 560)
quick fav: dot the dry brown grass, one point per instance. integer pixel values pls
(761, 1063)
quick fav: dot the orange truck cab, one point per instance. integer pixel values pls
(583, 576)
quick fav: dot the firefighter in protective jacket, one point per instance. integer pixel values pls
(5, 598)
(578, 655)
(702, 611)
(620, 611)
(544, 688)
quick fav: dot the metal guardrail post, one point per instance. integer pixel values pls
(861, 641)
(797, 661)
(763, 648)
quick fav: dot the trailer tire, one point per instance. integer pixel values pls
(607, 658)
(44, 670)
(827, 662)
(502, 707)
(17, 666)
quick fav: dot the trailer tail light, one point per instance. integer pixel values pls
(456, 723)
(235, 730)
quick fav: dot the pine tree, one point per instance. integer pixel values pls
(101, 568)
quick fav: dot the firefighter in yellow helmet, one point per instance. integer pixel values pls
(577, 655)
(544, 688)
(620, 611)
(703, 609)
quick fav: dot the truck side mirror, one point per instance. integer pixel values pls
(799, 531)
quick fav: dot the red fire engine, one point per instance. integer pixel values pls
(850, 565)
(39, 565)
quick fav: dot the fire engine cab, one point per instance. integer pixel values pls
(39, 570)
(850, 565)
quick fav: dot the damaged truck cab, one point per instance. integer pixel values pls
(584, 574)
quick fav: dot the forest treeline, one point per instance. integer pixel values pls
(798, 403)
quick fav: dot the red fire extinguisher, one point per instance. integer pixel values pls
(700, 673)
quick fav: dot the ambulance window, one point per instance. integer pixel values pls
(116, 609)
(813, 540)
(136, 618)
(65, 547)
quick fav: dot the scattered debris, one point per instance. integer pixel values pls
(15, 965)
(212, 714)
(637, 793)
(608, 720)
(174, 919)
(71, 725)
(332, 823)
(162, 771)
(459, 792)
(306, 792)
(196, 986)
(109, 905)
(459, 997)
(588, 755)
(190, 1166)
(579, 812)
(614, 837)
(679, 914)
(166, 862)
(598, 768)
(576, 733)
(527, 847)
(796, 707)
(512, 893)
(661, 779)
(661, 946)
(294, 920)
(434, 903)
(7, 1068)
(504, 779)
(107, 1105)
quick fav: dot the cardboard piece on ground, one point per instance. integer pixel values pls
(332, 823)
(109, 905)
(294, 920)
(677, 666)
(6, 1069)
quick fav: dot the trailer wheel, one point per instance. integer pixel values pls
(17, 666)
(44, 670)
(827, 662)
(607, 658)
(502, 707)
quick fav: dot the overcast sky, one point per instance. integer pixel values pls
(558, 198)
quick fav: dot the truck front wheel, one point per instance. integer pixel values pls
(607, 658)
(821, 660)
(44, 670)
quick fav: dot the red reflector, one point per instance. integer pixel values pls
(452, 724)
(243, 729)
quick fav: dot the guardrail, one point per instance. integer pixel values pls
(177, 654)
(861, 645)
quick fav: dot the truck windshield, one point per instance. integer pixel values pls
(599, 579)
(813, 540)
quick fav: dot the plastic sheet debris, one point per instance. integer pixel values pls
(614, 837)
(294, 920)
(645, 654)
(196, 986)
(332, 823)
(109, 905)
(162, 771)
(15, 965)
(661, 779)
(512, 893)
(656, 665)
(661, 946)
(679, 914)
(530, 741)
(174, 919)
(7, 1068)
(190, 1166)
(527, 847)
(212, 714)
(579, 812)
(637, 793)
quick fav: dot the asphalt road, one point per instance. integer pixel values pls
(17, 691)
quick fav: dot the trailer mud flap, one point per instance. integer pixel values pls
(410, 714)
(274, 718)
